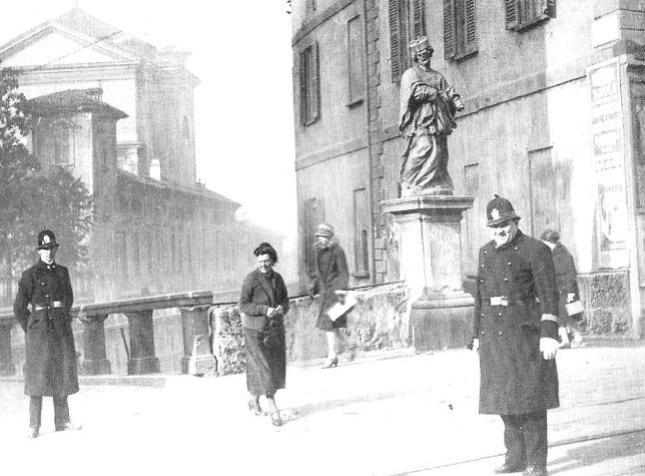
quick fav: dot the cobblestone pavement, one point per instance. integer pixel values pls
(384, 414)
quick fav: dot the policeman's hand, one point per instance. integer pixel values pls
(548, 347)
(475, 345)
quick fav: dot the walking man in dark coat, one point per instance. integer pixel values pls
(50, 362)
(515, 330)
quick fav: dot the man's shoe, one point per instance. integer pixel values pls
(33, 433)
(507, 467)
(533, 470)
(69, 426)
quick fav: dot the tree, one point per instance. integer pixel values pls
(31, 201)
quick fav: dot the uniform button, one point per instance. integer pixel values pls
(482, 314)
(482, 265)
(500, 314)
(516, 248)
(500, 332)
(485, 252)
(481, 280)
(505, 279)
(509, 263)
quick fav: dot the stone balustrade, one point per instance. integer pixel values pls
(197, 359)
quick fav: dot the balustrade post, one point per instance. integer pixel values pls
(7, 367)
(142, 344)
(198, 357)
(95, 360)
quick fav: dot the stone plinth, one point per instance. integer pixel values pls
(198, 356)
(430, 246)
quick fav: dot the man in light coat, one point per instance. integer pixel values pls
(515, 329)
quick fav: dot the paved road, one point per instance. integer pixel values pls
(382, 415)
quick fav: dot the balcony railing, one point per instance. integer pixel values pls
(193, 306)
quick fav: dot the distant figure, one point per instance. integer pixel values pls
(428, 108)
(51, 363)
(515, 329)
(263, 304)
(566, 276)
(331, 275)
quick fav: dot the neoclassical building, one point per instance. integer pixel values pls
(119, 114)
(554, 121)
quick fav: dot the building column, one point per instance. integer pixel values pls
(142, 358)
(198, 356)
(95, 360)
(430, 244)
(7, 367)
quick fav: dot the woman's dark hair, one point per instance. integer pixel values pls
(266, 249)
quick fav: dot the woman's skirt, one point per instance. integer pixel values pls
(266, 368)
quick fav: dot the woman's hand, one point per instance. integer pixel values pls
(271, 311)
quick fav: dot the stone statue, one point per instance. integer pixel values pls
(428, 108)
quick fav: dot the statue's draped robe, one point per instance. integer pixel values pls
(427, 118)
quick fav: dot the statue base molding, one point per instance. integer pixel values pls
(429, 229)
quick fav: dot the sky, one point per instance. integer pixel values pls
(241, 52)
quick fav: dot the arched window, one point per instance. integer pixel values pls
(185, 134)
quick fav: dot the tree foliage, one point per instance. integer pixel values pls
(30, 200)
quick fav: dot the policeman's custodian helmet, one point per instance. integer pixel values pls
(500, 210)
(46, 240)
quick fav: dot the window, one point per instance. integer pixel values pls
(356, 60)
(314, 215)
(459, 32)
(309, 85)
(185, 134)
(521, 14)
(407, 23)
(361, 233)
(60, 146)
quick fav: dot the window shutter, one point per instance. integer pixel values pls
(549, 8)
(418, 19)
(511, 10)
(315, 83)
(396, 41)
(470, 30)
(449, 46)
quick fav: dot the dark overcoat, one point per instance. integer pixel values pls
(50, 360)
(516, 303)
(332, 274)
(566, 277)
(265, 366)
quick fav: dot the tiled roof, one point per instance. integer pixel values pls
(73, 100)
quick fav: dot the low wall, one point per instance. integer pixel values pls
(379, 321)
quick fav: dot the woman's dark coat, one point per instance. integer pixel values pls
(332, 274)
(515, 378)
(265, 367)
(50, 363)
(566, 278)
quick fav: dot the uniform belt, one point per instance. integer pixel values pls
(505, 301)
(42, 307)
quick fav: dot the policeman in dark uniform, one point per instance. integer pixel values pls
(515, 330)
(50, 362)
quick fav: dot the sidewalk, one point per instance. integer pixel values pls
(409, 414)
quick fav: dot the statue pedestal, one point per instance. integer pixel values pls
(430, 255)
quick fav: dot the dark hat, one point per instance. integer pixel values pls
(550, 235)
(325, 229)
(46, 240)
(499, 210)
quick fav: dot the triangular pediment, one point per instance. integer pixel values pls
(54, 45)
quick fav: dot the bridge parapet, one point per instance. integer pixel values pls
(197, 359)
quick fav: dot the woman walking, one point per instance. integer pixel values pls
(331, 275)
(565, 270)
(263, 304)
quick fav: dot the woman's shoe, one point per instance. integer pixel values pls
(275, 419)
(329, 363)
(254, 406)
